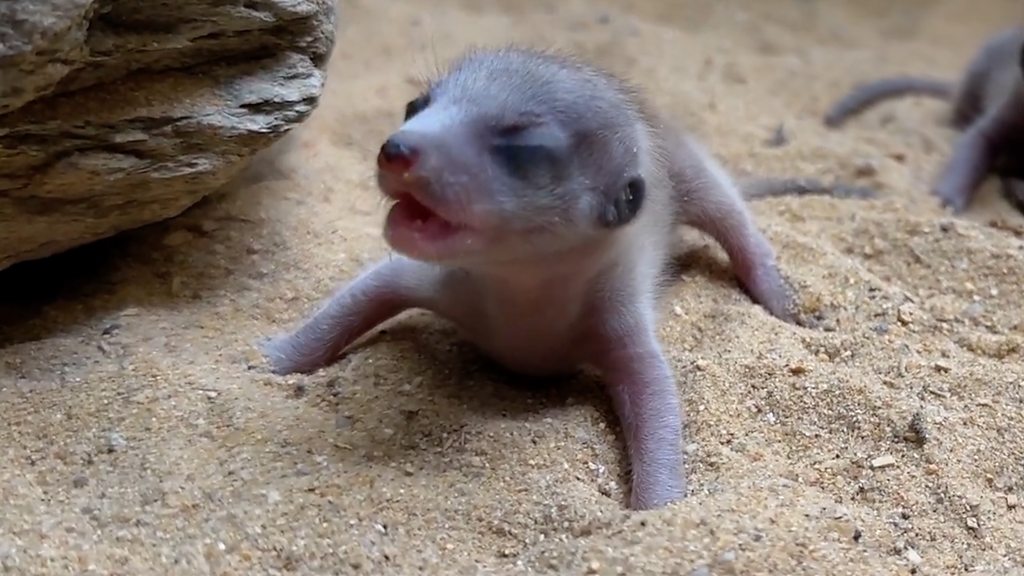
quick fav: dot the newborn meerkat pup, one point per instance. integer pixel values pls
(535, 206)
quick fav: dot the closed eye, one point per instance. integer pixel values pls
(529, 149)
(511, 130)
(416, 106)
(524, 160)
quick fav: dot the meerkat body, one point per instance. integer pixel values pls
(536, 205)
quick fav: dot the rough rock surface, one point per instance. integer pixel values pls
(117, 114)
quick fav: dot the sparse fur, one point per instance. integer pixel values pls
(987, 105)
(561, 261)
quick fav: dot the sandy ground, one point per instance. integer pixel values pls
(142, 435)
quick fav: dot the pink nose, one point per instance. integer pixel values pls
(396, 155)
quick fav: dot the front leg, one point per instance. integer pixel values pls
(646, 401)
(376, 295)
(707, 199)
(966, 167)
(975, 151)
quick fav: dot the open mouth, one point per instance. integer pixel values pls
(412, 225)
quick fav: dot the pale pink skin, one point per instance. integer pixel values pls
(584, 298)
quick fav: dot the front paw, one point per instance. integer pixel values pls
(287, 356)
(770, 289)
(951, 197)
(651, 495)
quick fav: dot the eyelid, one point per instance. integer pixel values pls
(543, 135)
(527, 161)
(511, 130)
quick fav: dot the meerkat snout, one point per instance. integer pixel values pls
(397, 154)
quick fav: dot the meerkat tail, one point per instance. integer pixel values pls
(871, 93)
(756, 188)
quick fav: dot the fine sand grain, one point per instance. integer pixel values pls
(142, 434)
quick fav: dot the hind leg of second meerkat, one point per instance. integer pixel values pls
(708, 200)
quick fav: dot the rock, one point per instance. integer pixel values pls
(116, 442)
(115, 114)
(884, 461)
(906, 313)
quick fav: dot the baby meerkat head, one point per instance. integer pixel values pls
(513, 153)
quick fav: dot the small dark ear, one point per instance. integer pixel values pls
(625, 205)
